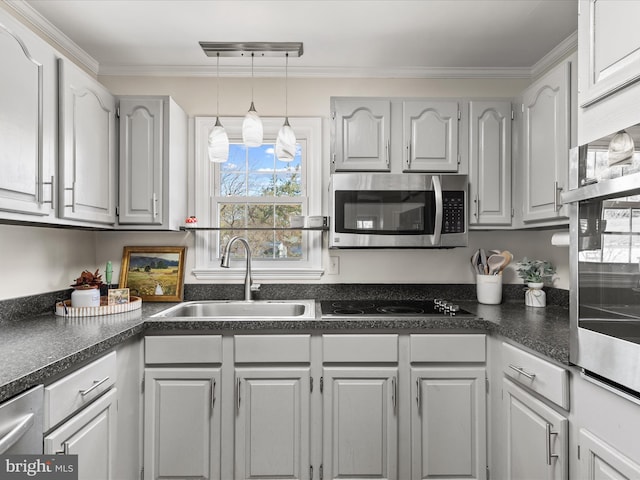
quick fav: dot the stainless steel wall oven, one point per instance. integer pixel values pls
(604, 206)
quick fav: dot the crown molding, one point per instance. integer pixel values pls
(565, 48)
(312, 72)
(54, 34)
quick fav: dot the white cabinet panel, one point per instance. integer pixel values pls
(536, 437)
(360, 423)
(273, 423)
(430, 136)
(182, 423)
(88, 152)
(361, 135)
(490, 162)
(448, 423)
(600, 461)
(27, 121)
(91, 434)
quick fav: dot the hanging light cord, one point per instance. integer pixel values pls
(217, 84)
(286, 86)
(252, 54)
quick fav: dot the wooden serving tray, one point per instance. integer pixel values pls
(64, 309)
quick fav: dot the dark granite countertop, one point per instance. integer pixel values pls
(35, 348)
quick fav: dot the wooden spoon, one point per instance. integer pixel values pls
(508, 258)
(495, 264)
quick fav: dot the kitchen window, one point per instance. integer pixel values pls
(254, 189)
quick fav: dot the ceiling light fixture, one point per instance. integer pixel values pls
(286, 141)
(218, 139)
(252, 125)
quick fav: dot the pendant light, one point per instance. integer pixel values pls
(252, 125)
(286, 141)
(218, 139)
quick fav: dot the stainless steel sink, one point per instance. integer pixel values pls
(237, 309)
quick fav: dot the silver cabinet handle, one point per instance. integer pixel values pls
(388, 153)
(65, 449)
(238, 393)
(73, 196)
(16, 433)
(409, 155)
(394, 387)
(96, 384)
(522, 371)
(52, 194)
(550, 456)
(213, 393)
(477, 202)
(154, 205)
(418, 399)
(557, 190)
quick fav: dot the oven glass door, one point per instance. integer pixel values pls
(608, 267)
(384, 212)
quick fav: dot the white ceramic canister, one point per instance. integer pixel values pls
(534, 296)
(489, 289)
(85, 297)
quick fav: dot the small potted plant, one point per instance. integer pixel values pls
(534, 272)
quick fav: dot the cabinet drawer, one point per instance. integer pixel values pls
(183, 349)
(272, 348)
(360, 348)
(541, 376)
(77, 389)
(447, 348)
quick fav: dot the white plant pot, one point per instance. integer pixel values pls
(535, 296)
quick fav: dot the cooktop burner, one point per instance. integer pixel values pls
(391, 308)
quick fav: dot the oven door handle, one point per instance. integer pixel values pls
(437, 227)
(16, 433)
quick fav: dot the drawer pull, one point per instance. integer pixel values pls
(96, 384)
(522, 371)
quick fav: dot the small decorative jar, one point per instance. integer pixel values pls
(85, 297)
(534, 296)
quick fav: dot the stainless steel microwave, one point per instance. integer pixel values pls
(604, 206)
(384, 210)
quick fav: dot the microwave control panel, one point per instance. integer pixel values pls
(453, 212)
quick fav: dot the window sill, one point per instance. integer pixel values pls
(258, 274)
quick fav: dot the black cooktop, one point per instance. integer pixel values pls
(391, 308)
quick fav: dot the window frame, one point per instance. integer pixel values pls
(207, 261)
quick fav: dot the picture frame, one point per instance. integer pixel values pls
(155, 274)
(117, 296)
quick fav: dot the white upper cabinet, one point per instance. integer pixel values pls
(153, 163)
(27, 122)
(545, 144)
(609, 41)
(430, 130)
(88, 152)
(362, 135)
(490, 162)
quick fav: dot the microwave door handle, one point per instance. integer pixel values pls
(437, 228)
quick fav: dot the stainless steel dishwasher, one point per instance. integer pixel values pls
(21, 423)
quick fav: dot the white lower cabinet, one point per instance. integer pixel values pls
(91, 435)
(272, 423)
(536, 437)
(448, 430)
(601, 461)
(360, 422)
(182, 423)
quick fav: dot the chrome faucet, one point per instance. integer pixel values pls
(249, 286)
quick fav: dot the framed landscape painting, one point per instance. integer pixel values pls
(156, 274)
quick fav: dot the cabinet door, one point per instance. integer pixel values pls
(430, 136)
(27, 121)
(181, 423)
(360, 436)
(536, 437)
(272, 423)
(141, 161)
(87, 147)
(609, 47)
(600, 461)
(362, 135)
(448, 418)
(91, 434)
(490, 158)
(546, 117)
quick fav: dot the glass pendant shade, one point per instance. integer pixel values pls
(286, 143)
(252, 128)
(218, 143)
